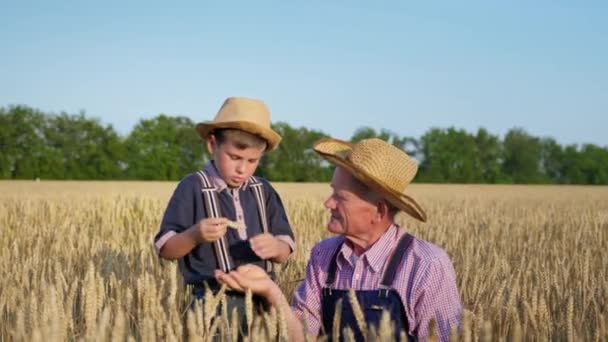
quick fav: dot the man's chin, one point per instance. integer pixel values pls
(334, 228)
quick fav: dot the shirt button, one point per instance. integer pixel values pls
(357, 276)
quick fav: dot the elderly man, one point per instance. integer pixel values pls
(388, 268)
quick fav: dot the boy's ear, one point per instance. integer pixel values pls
(211, 143)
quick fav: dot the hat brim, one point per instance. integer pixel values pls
(335, 151)
(272, 138)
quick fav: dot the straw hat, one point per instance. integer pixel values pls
(383, 167)
(249, 115)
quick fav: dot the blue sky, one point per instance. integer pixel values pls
(332, 65)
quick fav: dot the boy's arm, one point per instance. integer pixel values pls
(177, 234)
(179, 244)
(207, 230)
(279, 225)
(269, 247)
(284, 250)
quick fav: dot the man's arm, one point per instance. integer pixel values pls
(436, 297)
(277, 299)
(257, 280)
(306, 304)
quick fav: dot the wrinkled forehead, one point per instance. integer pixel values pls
(342, 180)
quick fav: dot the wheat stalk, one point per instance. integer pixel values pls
(358, 312)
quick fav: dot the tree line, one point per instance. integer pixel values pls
(34, 144)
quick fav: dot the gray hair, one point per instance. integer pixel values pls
(372, 196)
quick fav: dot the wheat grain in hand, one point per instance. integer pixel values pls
(236, 225)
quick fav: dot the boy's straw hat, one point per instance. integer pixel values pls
(383, 167)
(249, 115)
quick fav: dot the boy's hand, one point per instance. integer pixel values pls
(210, 229)
(266, 246)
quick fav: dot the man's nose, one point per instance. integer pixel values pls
(329, 202)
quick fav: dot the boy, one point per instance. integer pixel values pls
(222, 216)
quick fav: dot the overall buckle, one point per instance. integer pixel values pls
(383, 291)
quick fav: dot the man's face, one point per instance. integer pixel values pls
(234, 165)
(351, 215)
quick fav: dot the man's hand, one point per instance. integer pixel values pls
(257, 280)
(210, 229)
(266, 246)
(248, 277)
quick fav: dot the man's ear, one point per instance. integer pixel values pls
(211, 143)
(382, 209)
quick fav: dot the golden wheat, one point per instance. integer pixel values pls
(78, 263)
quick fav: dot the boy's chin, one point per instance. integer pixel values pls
(234, 184)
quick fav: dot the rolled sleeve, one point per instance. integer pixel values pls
(277, 217)
(162, 240)
(179, 214)
(288, 240)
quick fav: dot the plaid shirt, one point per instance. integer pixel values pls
(425, 281)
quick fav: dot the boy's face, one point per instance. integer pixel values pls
(234, 165)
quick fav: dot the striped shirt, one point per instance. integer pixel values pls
(425, 281)
(185, 208)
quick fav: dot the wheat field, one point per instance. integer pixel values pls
(77, 261)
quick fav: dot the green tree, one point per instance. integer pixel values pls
(552, 160)
(450, 156)
(522, 157)
(489, 151)
(408, 144)
(367, 132)
(34, 144)
(164, 148)
(24, 152)
(84, 148)
(571, 168)
(591, 165)
(294, 160)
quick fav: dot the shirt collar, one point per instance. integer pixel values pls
(216, 179)
(344, 256)
(377, 255)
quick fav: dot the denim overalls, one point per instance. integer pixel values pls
(372, 302)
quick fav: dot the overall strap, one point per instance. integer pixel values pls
(260, 199)
(212, 207)
(391, 269)
(331, 271)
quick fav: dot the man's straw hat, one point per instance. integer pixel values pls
(383, 167)
(249, 115)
